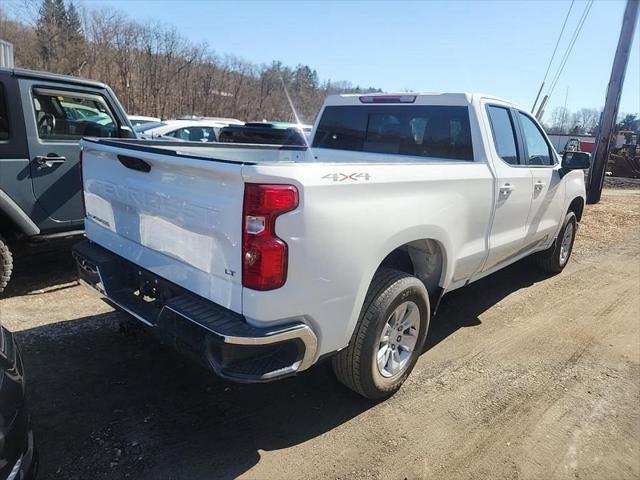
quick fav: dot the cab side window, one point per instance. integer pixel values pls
(538, 150)
(4, 117)
(504, 137)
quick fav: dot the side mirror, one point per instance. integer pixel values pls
(126, 132)
(576, 160)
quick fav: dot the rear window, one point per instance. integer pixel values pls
(423, 131)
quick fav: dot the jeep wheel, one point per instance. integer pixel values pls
(389, 337)
(6, 264)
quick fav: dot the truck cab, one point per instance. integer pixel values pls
(43, 116)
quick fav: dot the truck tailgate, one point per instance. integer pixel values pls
(177, 216)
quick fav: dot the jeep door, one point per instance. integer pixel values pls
(56, 118)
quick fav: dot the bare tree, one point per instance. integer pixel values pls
(156, 71)
(587, 118)
(560, 120)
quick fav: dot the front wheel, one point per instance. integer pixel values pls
(556, 258)
(389, 337)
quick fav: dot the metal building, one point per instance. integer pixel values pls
(6, 54)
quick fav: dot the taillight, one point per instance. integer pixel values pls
(264, 255)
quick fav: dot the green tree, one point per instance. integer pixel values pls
(61, 41)
(48, 30)
(576, 130)
(629, 122)
(73, 24)
(74, 41)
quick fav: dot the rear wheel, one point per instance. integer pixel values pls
(556, 258)
(389, 337)
(6, 264)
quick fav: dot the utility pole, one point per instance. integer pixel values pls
(543, 104)
(607, 125)
(533, 109)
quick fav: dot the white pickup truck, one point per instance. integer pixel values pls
(259, 261)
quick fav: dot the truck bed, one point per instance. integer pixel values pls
(246, 154)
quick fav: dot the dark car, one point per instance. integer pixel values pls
(270, 133)
(18, 459)
(42, 119)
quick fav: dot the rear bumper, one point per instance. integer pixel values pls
(210, 334)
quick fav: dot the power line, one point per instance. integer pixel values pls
(564, 24)
(576, 34)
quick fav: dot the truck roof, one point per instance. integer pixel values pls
(54, 77)
(414, 98)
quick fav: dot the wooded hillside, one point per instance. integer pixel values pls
(156, 71)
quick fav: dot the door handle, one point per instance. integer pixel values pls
(48, 161)
(538, 186)
(506, 189)
(134, 163)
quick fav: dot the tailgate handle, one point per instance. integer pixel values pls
(134, 163)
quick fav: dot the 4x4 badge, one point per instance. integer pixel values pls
(341, 177)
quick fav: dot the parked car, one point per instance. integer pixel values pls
(143, 127)
(265, 133)
(42, 118)
(188, 130)
(139, 119)
(18, 458)
(345, 248)
(225, 120)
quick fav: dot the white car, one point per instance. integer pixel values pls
(139, 119)
(259, 261)
(198, 130)
(226, 121)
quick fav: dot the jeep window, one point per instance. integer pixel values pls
(538, 150)
(4, 118)
(423, 131)
(70, 116)
(504, 137)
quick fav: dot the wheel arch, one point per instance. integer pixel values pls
(577, 206)
(423, 258)
(13, 219)
(405, 252)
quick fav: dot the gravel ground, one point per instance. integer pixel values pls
(622, 182)
(523, 377)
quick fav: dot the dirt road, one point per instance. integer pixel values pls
(523, 377)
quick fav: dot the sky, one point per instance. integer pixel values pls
(495, 47)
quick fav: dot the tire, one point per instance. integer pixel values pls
(357, 366)
(6, 264)
(554, 259)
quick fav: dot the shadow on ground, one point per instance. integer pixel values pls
(41, 266)
(108, 404)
